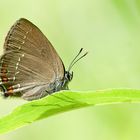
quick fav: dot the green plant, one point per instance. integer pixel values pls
(62, 102)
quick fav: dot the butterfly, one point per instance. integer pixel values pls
(30, 67)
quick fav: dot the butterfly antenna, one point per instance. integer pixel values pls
(75, 61)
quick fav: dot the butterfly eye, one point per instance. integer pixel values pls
(69, 76)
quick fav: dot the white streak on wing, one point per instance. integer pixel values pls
(14, 78)
(17, 73)
(18, 59)
(23, 55)
(17, 65)
(25, 37)
(19, 88)
(22, 42)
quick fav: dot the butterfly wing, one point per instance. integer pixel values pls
(29, 62)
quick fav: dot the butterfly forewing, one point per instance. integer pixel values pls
(29, 62)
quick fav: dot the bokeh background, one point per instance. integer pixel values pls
(110, 31)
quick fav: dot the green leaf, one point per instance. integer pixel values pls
(62, 102)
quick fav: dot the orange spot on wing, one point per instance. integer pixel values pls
(3, 70)
(10, 90)
(4, 79)
(4, 65)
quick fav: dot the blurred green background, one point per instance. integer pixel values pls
(110, 31)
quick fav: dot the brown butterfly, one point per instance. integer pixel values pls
(30, 66)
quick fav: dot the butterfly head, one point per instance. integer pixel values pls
(69, 75)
